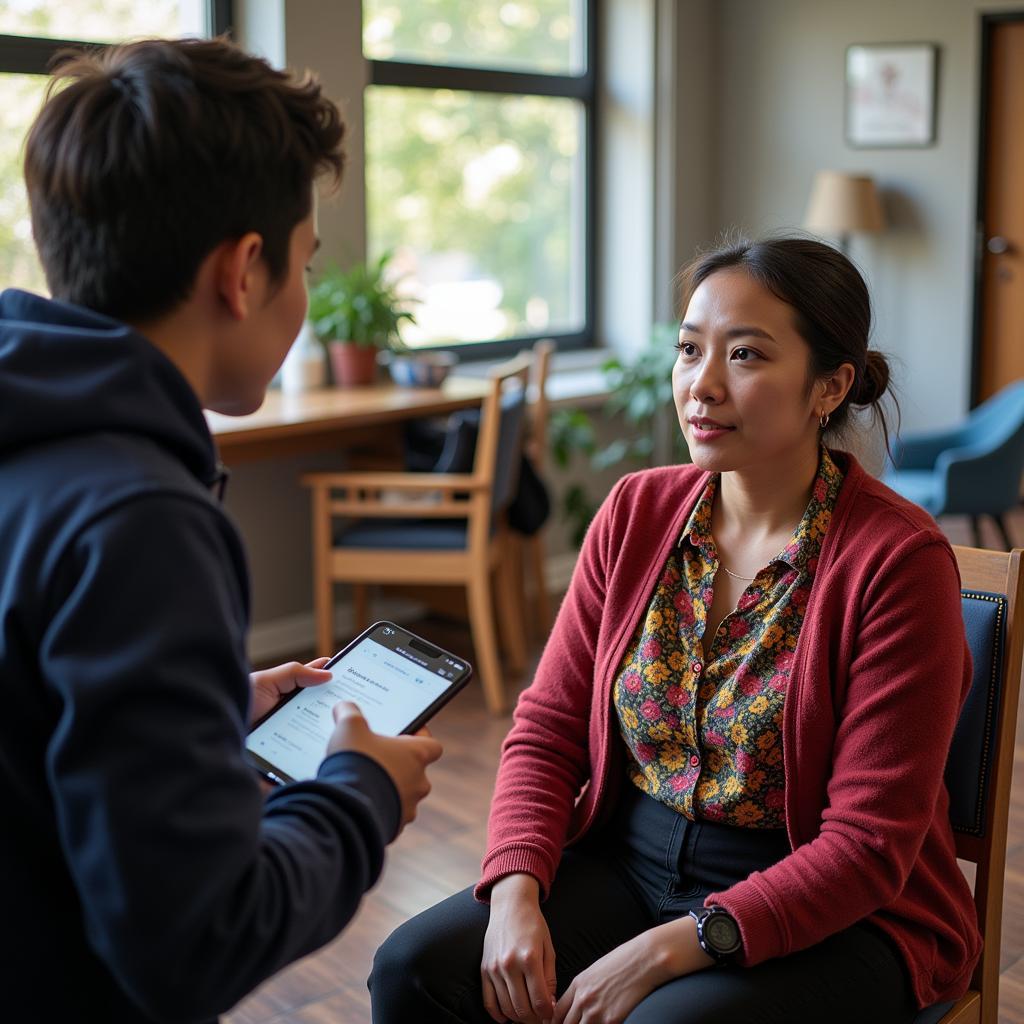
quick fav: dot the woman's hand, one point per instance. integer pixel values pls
(270, 685)
(612, 987)
(518, 967)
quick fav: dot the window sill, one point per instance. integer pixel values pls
(575, 380)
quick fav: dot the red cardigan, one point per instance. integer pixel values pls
(880, 673)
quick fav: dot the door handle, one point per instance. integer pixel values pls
(998, 246)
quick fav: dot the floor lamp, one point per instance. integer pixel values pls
(842, 204)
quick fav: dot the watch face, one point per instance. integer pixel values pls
(722, 932)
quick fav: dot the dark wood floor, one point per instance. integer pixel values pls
(440, 853)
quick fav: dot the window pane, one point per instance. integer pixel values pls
(102, 20)
(21, 96)
(517, 35)
(480, 197)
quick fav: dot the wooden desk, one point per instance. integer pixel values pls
(332, 418)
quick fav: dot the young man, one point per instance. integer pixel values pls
(143, 876)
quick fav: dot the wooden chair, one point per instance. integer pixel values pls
(980, 763)
(456, 536)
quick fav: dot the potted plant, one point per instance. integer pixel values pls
(355, 313)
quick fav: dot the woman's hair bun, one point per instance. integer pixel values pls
(875, 381)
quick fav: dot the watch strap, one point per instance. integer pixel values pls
(722, 957)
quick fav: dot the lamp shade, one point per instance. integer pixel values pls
(844, 203)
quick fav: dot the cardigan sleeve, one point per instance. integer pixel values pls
(545, 757)
(905, 686)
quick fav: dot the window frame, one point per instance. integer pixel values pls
(35, 55)
(32, 55)
(460, 78)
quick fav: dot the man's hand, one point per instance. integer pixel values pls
(270, 685)
(612, 987)
(518, 968)
(404, 758)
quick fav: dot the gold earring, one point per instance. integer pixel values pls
(823, 418)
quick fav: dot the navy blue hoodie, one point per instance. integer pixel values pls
(143, 877)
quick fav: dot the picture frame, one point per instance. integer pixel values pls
(891, 94)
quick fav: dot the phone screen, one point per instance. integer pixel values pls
(397, 679)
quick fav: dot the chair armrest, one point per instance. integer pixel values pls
(411, 482)
(920, 451)
(981, 478)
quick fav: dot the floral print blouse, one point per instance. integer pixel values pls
(703, 725)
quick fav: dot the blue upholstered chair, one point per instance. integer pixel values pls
(433, 528)
(980, 764)
(973, 469)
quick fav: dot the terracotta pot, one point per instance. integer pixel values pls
(351, 364)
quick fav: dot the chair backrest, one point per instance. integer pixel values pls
(980, 765)
(998, 417)
(502, 418)
(537, 441)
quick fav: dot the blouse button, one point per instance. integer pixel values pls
(694, 760)
(696, 668)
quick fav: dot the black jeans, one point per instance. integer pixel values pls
(648, 866)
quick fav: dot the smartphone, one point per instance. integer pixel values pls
(398, 679)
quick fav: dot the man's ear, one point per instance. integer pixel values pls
(239, 272)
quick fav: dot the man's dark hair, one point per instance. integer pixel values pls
(147, 156)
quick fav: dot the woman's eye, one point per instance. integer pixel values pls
(686, 347)
(744, 355)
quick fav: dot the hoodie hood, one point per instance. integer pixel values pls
(66, 371)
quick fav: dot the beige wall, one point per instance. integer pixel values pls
(273, 512)
(689, 126)
(777, 74)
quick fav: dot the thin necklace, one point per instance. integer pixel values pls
(736, 575)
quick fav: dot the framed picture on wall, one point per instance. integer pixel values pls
(890, 94)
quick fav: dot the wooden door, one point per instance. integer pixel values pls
(1001, 231)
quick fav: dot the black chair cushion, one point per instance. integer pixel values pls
(933, 1014)
(406, 534)
(970, 757)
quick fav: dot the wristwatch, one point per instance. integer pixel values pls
(718, 933)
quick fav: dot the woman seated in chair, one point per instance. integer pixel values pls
(732, 752)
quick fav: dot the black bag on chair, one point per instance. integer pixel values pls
(531, 506)
(433, 448)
